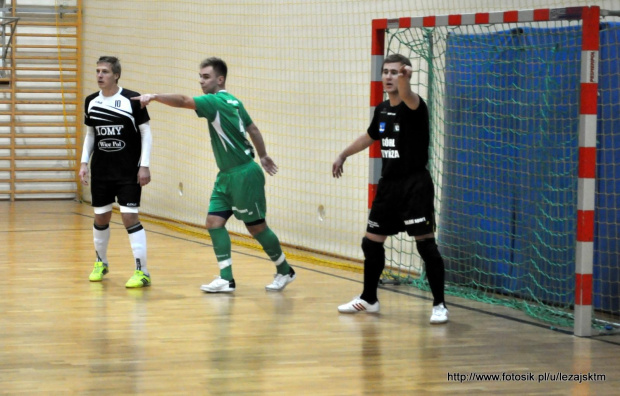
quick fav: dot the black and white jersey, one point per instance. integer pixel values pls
(118, 144)
(404, 136)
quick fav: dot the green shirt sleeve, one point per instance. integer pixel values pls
(205, 107)
(245, 117)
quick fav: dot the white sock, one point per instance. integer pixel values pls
(137, 239)
(101, 237)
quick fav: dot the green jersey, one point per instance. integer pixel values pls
(227, 122)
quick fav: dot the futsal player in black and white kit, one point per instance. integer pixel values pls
(405, 194)
(119, 138)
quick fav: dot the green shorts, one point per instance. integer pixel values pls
(242, 190)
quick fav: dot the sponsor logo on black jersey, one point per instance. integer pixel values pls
(387, 142)
(109, 144)
(381, 127)
(109, 130)
(386, 148)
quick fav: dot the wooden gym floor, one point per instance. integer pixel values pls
(61, 334)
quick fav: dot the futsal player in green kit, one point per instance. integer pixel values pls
(239, 188)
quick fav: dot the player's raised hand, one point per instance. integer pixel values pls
(405, 71)
(144, 99)
(268, 165)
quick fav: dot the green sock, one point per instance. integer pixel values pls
(271, 245)
(226, 273)
(221, 246)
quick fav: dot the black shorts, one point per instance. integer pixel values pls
(404, 205)
(106, 192)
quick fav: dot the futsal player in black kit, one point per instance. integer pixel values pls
(119, 138)
(405, 193)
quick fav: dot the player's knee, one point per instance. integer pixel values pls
(428, 250)
(256, 227)
(101, 227)
(217, 219)
(130, 219)
(372, 250)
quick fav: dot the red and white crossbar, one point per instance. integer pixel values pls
(587, 122)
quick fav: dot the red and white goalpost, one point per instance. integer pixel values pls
(587, 171)
(590, 18)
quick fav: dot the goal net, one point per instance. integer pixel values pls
(506, 108)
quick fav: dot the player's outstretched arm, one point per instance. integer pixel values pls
(173, 100)
(361, 143)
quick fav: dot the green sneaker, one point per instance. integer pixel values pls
(138, 279)
(99, 271)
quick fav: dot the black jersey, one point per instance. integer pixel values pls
(118, 143)
(404, 136)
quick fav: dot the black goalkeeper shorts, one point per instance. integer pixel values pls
(404, 205)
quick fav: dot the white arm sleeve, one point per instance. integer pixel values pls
(147, 142)
(89, 144)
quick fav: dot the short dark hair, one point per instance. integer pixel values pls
(393, 58)
(219, 66)
(114, 62)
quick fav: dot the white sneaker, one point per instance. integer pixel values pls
(280, 281)
(219, 285)
(440, 314)
(358, 305)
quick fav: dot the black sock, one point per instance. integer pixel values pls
(435, 270)
(374, 262)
